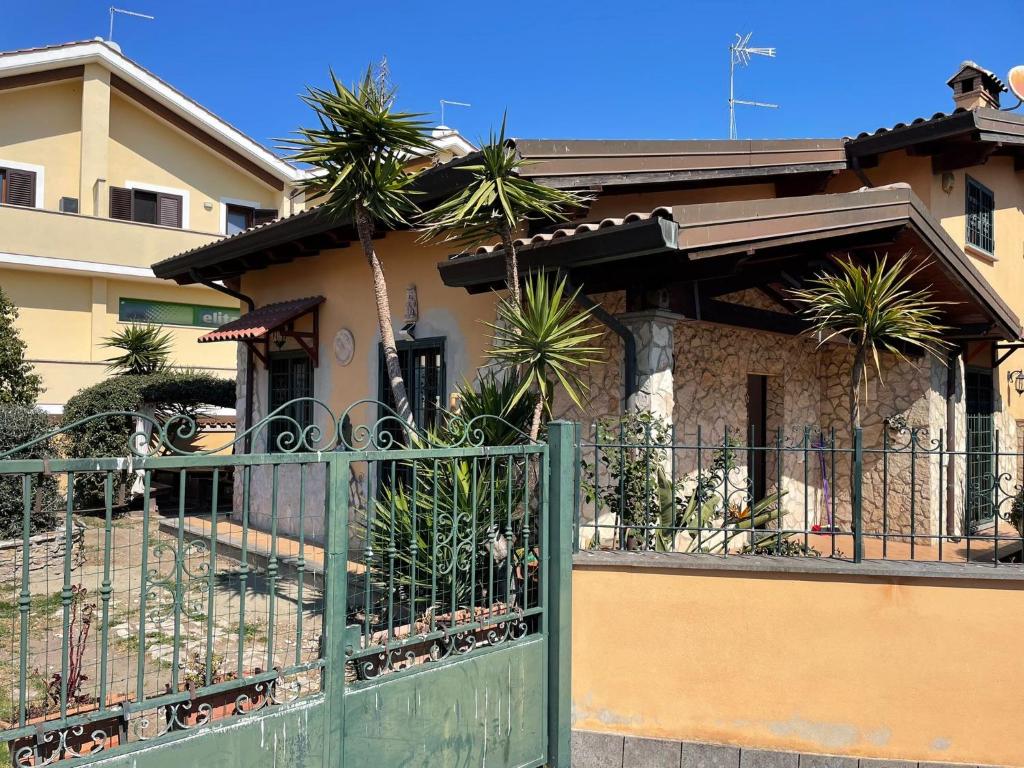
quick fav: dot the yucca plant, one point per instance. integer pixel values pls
(359, 153)
(545, 336)
(145, 349)
(874, 307)
(495, 201)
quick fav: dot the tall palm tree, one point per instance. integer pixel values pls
(360, 153)
(876, 310)
(542, 337)
(495, 202)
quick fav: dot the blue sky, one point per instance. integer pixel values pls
(562, 68)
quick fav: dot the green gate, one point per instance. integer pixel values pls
(332, 599)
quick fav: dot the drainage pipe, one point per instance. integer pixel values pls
(952, 366)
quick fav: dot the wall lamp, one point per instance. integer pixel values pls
(1017, 379)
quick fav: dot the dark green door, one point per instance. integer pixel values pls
(978, 386)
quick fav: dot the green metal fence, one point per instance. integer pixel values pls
(160, 593)
(892, 492)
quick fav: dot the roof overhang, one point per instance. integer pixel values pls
(599, 163)
(30, 67)
(729, 246)
(298, 236)
(962, 139)
(254, 329)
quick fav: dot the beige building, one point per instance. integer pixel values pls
(104, 169)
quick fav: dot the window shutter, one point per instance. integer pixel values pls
(120, 203)
(21, 188)
(263, 216)
(169, 207)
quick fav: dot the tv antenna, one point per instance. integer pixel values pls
(740, 53)
(113, 10)
(451, 104)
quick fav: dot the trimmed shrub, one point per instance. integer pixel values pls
(164, 394)
(18, 425)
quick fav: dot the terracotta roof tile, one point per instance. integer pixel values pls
(661, 212)
(259, 322)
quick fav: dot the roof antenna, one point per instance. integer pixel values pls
(453, 104)
(740, 53)
(113, 10)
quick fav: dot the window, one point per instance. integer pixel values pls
(980, 207)
(291, 377)
(17, 187)
(172, 313)
(422, 363)
(239, 218)
(146, 207)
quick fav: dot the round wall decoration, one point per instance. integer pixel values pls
(344, 346)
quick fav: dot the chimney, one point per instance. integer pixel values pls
(975, 87)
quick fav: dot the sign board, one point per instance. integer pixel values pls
(171, 313)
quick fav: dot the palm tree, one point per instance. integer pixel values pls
(359, 154)
(495, 202)
(876, 310)
(541, 337)
(144, 349)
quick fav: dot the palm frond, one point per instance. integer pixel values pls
(360, 149)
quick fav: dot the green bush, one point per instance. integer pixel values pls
(165, 394)
(18, 425)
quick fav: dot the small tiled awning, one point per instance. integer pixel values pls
(280, 317)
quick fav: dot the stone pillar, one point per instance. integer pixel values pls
(654, 330)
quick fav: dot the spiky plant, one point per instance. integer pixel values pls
(495, 201)
(144, 349)
(359, 152)
(875, 308)
(544, 336)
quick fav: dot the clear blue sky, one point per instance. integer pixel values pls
(563, 68)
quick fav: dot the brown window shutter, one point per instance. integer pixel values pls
(21, 188)
(169, 207)
(263, 216)
(120, 203)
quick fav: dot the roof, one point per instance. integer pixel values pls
(260, 322)
(982, 125)
(300, 235)
(716, 240)
(29, 61)
(31, 66)
(586, 163)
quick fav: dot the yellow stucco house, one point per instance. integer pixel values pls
(104, 169)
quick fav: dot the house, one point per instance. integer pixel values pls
(104, 169)
(688, 250)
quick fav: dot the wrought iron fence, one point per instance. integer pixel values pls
(167, 589)
(892, 493)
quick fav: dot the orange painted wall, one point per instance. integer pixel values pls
(914, 669)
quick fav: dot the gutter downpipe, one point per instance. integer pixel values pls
(250, 359)
(629, 385)
(952, 366)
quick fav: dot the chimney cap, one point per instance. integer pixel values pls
(990, 78)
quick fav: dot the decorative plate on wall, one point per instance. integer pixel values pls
(344, 346)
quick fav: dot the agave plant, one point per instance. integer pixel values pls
(144, 349)
(495, 202)
(875, 308)
(359, 153)
(545, 336)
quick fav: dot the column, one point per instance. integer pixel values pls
(654, 330)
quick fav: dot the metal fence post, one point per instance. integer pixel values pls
(562, 484)
(336, 598)
(857, 495)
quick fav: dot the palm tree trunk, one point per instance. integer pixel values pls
(511, 266)
(538, 411)
(364, 226)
